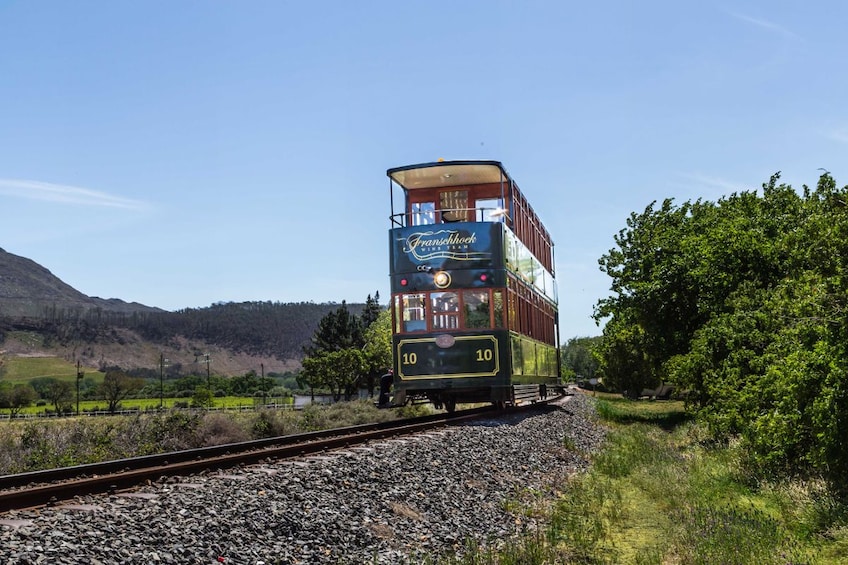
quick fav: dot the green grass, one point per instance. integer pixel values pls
(229, 402)
(658, 494)
(21, 370)
(666, 414)
(34, 444)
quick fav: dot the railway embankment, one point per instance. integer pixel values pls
(390, 501)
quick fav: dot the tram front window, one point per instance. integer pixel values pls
(476, 308)
(445, 310)
(412, 308)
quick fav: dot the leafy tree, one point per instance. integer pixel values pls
(341, 332)
(59, 394)
(339, 329)
(15, 397)
(288, 379)
(676, 267)
(42, 386)
(378, 348)
(245, 385)
(743, 303)
(189, 382)
(117, 386)
(312, 375)
(202, 398)
(339, 371)
(371, 311)
(578, 359)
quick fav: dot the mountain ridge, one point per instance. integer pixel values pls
(27, 288)
(111, 332)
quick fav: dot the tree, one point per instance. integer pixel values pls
(578, 360)
(59, 393)
(378, 348)
(116, 386)
(350, 366)
(15, 397)
(371, 311)
(744, 303)
(676, 267)
(339, 371)
(337, 330)
(244, 385)
(311, 375)
(202, 397)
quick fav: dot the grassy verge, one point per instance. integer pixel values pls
(30, 445)
(659, 493)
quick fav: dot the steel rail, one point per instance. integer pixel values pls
(39, 488)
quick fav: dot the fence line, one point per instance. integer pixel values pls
(299, 403)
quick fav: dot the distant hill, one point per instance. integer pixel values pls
(29, 290)
(103, 333)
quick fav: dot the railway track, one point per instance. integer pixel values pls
(39, 488)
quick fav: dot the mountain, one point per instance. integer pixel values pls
(29, 290)
(40, 315)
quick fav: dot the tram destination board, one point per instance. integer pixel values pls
(448, 356)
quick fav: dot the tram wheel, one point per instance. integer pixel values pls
(450, 405)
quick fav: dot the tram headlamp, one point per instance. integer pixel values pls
(442, 279)
(484, 277)
(404, 282)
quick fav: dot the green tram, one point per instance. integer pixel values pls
(474, 301)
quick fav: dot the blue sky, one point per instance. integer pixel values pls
(180, 153)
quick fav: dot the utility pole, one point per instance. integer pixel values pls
(264, 388)
(80, 374)
(209, 381)
(162, 362)
(208, 378)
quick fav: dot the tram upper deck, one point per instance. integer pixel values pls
(446, 192)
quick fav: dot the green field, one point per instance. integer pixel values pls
(228, 402)
(21, 370)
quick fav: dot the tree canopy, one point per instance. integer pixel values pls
(347, 348)
(578, 361)
(742, 303)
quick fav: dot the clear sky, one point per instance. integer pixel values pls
(180, 153)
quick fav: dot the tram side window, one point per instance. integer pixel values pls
(489, 210)
(445, 310)
(413, 312)
(423, 213)
(476, 308)
(498, 306)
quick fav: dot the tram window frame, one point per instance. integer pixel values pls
(444, 310)
(422, 213)
(498, 309)
(473, 304)
(453, 205)
(486, 207)
(409, 323)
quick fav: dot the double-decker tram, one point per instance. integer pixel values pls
(474, 302)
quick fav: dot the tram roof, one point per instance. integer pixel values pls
(448, 173)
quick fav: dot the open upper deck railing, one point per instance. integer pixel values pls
(447, 216)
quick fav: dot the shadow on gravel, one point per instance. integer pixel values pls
(510, 418)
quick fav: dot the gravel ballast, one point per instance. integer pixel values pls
(395, 501)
